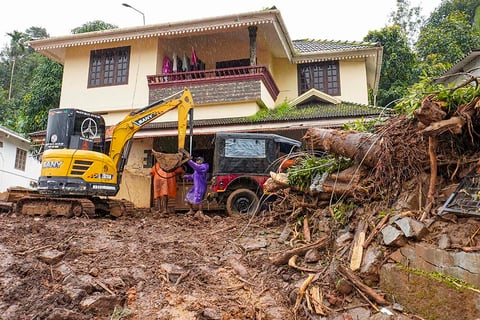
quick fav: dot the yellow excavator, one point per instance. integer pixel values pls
(81, 169)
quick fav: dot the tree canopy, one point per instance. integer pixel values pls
(30, 84)
(415, 47)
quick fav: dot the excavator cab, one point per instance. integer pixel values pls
(75, 129)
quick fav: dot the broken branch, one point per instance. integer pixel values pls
(283, 258)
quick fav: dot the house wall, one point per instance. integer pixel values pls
(121, 98)
(11, 177)
(285, 75)
(353, 81)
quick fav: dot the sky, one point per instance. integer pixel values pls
(345, 20)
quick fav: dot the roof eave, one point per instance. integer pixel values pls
(200, 26)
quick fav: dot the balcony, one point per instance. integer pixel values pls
(217, 85)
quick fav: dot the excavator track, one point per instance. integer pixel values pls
(62, 207)
(118, 208)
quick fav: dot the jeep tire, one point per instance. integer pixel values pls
(242, 201)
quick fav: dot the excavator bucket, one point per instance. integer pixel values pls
(171, 161)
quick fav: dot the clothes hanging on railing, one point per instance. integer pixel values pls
(167, 65)
(174, 62)
(185, 63)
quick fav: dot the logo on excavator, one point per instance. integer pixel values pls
(52, 164)
(146, 119)
(103, 176)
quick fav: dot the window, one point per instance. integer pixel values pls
(20, 159)
(245, 148)
(323, 76)
(109, 67)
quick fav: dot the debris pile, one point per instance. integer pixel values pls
(343, 226)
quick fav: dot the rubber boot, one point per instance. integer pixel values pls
(163, 205)
(158, 205)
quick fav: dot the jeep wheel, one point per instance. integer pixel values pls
(242, 201)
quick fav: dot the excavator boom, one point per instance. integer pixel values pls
(125, 129)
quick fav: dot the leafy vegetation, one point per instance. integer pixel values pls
(450, 96)
(309, 167)
(363, 125)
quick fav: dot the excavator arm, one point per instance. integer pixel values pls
(124, 131)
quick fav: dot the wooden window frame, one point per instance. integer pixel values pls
(323, 76)
(109, 67)
(20, 159)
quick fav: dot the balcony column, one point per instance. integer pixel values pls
(252, 33)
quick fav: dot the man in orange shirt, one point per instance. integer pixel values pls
(164, 187)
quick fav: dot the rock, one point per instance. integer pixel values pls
(51, 257)
(238, 267)
(210, 313)
(412, 228)
(393, 237)
(343, 239)
(444, 242)
(426, 296)
(462, 265)
(100, 304)
(372, 259)
(313, 255)
(344, 286)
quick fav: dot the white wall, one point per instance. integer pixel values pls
(11, 177)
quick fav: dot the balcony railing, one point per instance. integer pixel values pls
(216, 75)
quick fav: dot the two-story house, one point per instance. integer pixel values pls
(234, 65)
(18, 167)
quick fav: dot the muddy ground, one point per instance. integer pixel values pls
(141, 267)
(146, 266)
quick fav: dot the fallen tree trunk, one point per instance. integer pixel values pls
(360, 146)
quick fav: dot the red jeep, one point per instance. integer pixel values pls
(241, 164)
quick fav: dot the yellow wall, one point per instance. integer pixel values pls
(353, 81)
(76, 94)
(285, 75)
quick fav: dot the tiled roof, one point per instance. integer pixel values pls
(313, 46)
(305, 112)
(308, 112)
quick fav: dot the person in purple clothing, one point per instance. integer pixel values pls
(199, 177)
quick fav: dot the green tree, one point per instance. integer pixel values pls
(468, 7)
(449, 41)
(398, 64)
(17, 50)
(408, 18)
(42, 95)
(91, 26)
